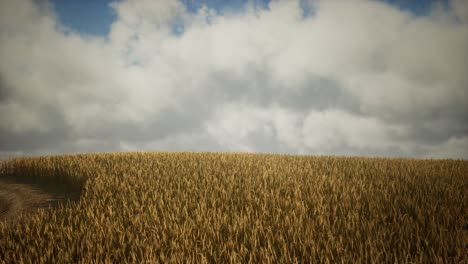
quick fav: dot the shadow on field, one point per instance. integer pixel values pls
(22, 195)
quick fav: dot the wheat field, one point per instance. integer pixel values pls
(173, 207)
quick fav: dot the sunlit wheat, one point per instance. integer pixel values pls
(219, 207)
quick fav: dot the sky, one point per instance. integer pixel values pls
(318, 77)
(95, 17)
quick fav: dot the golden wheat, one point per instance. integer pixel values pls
(234, 207)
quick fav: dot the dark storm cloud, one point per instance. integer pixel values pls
(4, 89)
(319, 94)
(429, 125)
(54, 135)
(257, 86)
(268, 142)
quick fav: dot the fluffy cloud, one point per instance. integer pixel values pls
(355, 77)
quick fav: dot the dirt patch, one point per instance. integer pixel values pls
(19, 197)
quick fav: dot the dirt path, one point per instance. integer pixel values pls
(17, 197)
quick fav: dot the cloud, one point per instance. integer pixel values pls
(355, 77)
(460, 9)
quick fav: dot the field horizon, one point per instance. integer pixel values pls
(209, 207)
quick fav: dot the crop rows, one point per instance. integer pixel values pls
(234, 207)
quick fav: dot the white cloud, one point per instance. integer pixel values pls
(356, 77)
(235, 122)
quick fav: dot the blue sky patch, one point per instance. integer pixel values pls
(94, 17)
(85, 16)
